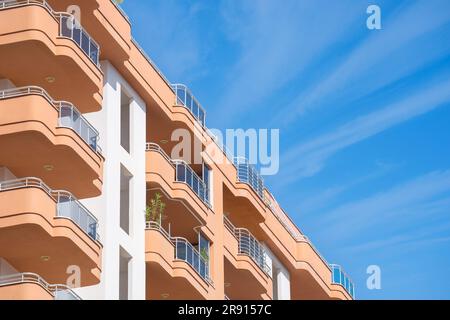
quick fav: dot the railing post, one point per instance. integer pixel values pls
(176, 248)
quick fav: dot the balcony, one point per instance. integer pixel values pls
(52, 50)
(177, 180)
(245, 265)
(339, 277)
(185, 174)
(249, 245)
(30, 286)
(106, 22)
(175, 268)
(39, 223)
(247, 173)
(50, 139)
(185, 98)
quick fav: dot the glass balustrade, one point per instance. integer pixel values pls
(70, 117)
(71, 208)
(338, 276)
(248, 174)
(71, 28)
(185, 98)
(184, 173)
(186, 252)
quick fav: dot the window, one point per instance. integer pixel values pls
(125, 121)
(203, 249)
(125, 190)
(124, 274)
(207, 180)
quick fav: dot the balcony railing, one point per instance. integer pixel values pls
(338, 276)
(249, 245)
(59, 292)
(69, 27)
(68, 115)
(185, 174)
(247, 173)
(184, 97)
(185, 251)
(68, 206)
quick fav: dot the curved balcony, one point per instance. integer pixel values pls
(177, 180)
(339, 277)
(247, 173)
(30, 286)
(50, 139)
(175, 269)
(246, 272)
(247, 275)
(185, 98)
(39, 224)
(107, 23)
(52, 50)
(249, 245)
(185, 174)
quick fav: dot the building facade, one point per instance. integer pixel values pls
(93, 204)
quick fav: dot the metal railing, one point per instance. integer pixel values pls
(71, 118)
(68, 206)
(17, 3)
(69, 27)
(68, 115)
(185, 98)
(185, 174)
(184, 251)
(150, 146)
(153, 225)
(338, 276)
(72, 29)
(59, 292)
(247, 173)
(249, 245)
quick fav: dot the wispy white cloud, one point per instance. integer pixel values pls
(308, 158)
(276, 43)
(422, 200)
(325, 197)
(403, 241)
(375, 63)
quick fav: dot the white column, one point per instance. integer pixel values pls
(280, 276)
(107, 206)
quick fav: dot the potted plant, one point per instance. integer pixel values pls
(155, 210)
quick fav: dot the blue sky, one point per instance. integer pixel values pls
(364, 118)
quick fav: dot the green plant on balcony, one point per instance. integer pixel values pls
(204, 254)
(155, 210)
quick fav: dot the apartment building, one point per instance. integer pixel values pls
(92, 205)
